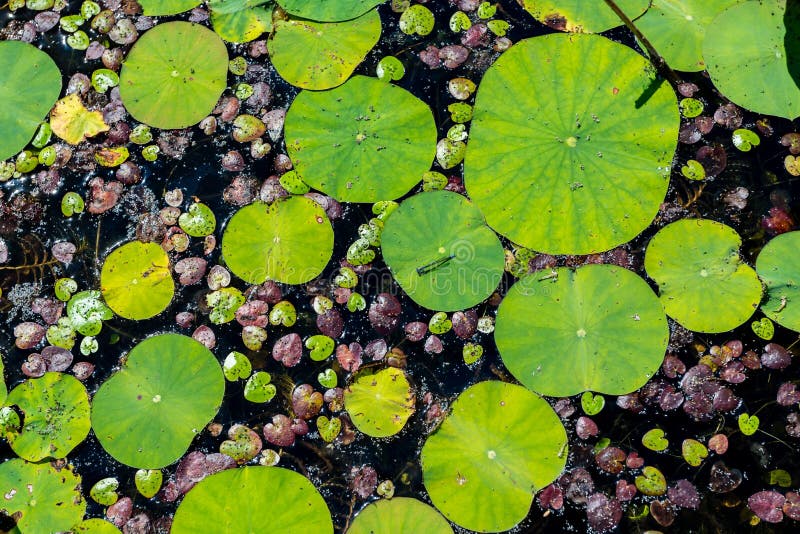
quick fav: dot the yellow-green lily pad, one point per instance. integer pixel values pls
(399, 515)
(136, 281)
(379, 401)
(328, 10)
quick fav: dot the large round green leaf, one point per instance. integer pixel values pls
(31, 85)
(441, 252)
(591, 16)
(158, 8)
(499, 445)
(677, 28)
(364, 141)
(241, 21)
(702, 281)
(778, 266)
(136, 282)
(47, 499)
(174, 75)
(399, 515)
(253, 499)
(598, 328)
(147, 414)
(327, 10)
(55, 410)
(571, 144)
(289, 241)
(379, 401)
(753, 56)
(321, 55)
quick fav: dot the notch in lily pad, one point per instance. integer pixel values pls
(463, 464)
(441, 252)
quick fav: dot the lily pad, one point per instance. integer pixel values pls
(591, 16)
(778, 266)
(327, 11)
(31, 85)
(95, 526)
(47, 499)
(379, 401)
(136, 282)
(241, 21)
(441, 252)
(364, 141)
(702, 281)
(55, 410)
(582, 133)
(159, 8)
(598, 327)
(677, 29)
(168, 390)
(72, 122)
(463, 463)
(174, 75)
(399, 515)
(322, 55)
(290, 498)
(289, 241)
(757, 69)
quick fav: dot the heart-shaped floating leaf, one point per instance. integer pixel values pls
(399, 514)
(677, 29)
(597, 328)
(72, 122)
(236, 366)
(583, 143)
(778, 266)
(168, 390)
(763, 328)
(364, 141)
(693, 452)
(780, 477)
(328, 11)
(328, 378)
(55, 410)
(757, 70)
(158, 8)
(241, 21)
(321, 347)
(748, 424)
(379, 402)
(148, 482)
(322, 55)
(289, 241)
(243, 444)
(104, 491)
(592, 404)
(654, 440)
(86, 312)
(198, 220)
(592, 16)
(329, 428)
(463, 464)
(223, 303)
(290, 498)
(258, 387)
(136, 281)
(284, 314)
(745, 139)
(696, 264)
(441, 252)
(45, 499)
(471, 353)
(417, 20)
(32, 83)
(651, 481)
(174, 75)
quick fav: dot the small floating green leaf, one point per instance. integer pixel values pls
(148, 482)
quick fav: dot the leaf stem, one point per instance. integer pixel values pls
(655, 58)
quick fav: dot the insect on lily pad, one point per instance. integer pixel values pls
(174, 75)
(136, 281)
(778, 266)
(379, 401)
(441, 252)
(327, 11)
(169, 388)
(598, 328)
(31, 85)
(591, 16)
(400, 514)
(463, 464)
(582, 132)
(697, 267)
(290, 498)
(365, 141)
(289, 241)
